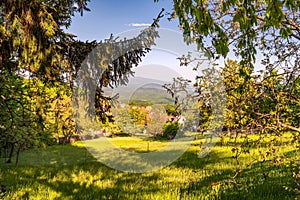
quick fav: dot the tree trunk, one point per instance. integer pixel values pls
(18, 153)
(228, 132)
(11, 153)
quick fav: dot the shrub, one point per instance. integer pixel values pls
(170, 130)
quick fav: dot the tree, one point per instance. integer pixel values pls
(32, 36)
(240, 25)
(21, 125)
(157, 120)
(32, 53)
(240, 98)
(265, 106)
(35, 48)
(269, 100)
(34, 42)
(245, 27)
(116, 58)
(126, 120)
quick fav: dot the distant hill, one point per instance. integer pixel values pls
(136, 82)
(151, 93)
(141, 89)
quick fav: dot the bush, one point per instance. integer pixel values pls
(170, 130)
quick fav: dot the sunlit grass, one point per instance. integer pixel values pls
(71, 172)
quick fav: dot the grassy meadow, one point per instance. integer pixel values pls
(71, 172)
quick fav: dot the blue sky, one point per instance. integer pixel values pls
(115, 16)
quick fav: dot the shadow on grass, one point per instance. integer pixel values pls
(108, 184)
(71, 172)
(249, 184)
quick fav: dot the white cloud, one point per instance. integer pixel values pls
(139, 24)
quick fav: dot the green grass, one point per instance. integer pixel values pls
(71, 172)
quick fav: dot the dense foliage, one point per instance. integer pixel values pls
(40, 61)
(266, 102)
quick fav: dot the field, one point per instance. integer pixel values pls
(71, 172)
